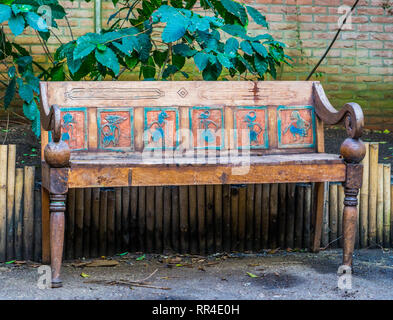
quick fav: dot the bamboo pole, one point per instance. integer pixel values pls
(242, 218)
(258, 217)
(325, 221)
(159, 200)
(95, 222)
(111, 211)
(364, 194)
(103, 228)
(226, 214)
(380, 205)
(122, 209)
(210, 219)
(192, 200)
(386, 204)
(141, 218)
(19, 213)
(183, 205)
(290, 223)
(70, 225)
(372, 199)
(307, 216)
(282, 209)
(265, 215)
(3, 202)
(201, 219)
(28, 213)
(150, 219)
(250, 198)
(175, 219)
(340, 212)
(299, 216)
(37, 225)
(11, 200)
(118, 218)
(234, 218)
(87, 222)
(273, 227)
(167, 219)
(79, 216)
(333, 214)
(130, 228)
(218, 217)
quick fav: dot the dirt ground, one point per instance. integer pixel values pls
(264, 276)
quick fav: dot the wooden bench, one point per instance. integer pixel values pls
(112, 134)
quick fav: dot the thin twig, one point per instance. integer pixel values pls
(69, 27)
(148, 277)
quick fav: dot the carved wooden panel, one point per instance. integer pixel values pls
(296, 127)
(161, 127)
(207, 127)
(251, 127)
(115, 129)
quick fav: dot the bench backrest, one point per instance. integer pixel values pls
(108, 117)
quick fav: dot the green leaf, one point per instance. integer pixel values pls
(169, 70)
(36, 125)
(57, 73)
(224, 60)
(83, 48)
(173, 31)
(236, 9)
(144, 46)
(108, 59)
(131, 62)
(5, 13)
(148, 69)
(252, 275)
(246, 47)
(16, 24)
(11, 72)
(235, 30)
(73, 64)
(201, 60)
(257, 16)
(30, 110)
(178, 61)
(261, 65)
(20, 49)
(25, 91)
(183, 50)
(260, 48)
(141, 258)
(10, 262)
(212, 72)
(159, 57)
(36, 22)
(24, 61)
(9, 93)
(231, 47)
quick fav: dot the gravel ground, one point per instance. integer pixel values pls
(280, 275)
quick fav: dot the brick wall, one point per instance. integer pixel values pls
(358, 68)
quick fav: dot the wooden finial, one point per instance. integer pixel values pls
(353, 150)
(57, 154)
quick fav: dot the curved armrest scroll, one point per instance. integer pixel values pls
(50, 116)
(351, 112)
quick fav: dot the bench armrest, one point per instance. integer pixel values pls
(351, 112)
(50, 115)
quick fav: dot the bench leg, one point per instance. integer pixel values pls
(57, 207)
(349, 224)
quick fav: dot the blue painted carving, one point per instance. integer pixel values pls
(207, 134)
(111, 130)
(298, 126)
(68, 128)
(158, 132)
(253, 127)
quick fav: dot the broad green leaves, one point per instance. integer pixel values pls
(257, 16)
(17, 24)
(108, 59)
(5, 13)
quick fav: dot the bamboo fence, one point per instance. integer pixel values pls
(190, 219)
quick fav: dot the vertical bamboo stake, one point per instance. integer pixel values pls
(242, 218)
(234, 218)
(258, 217)
(18, 213)
(372, 199)
(10, 201)
(103, 229)
(141, 218)
(118, 218)
(386, 205)
(37, 225)
(380, 205)
(299, 216)
(325, 221)
(226, 214)
(290, 223)
(175, 219)
(250, 217)
(122, 208)
(265, 215)
(111, 210)
(218, 217)
(201, 219)
(150, 219)
(28, 213)
(333, 215)
(340, 211)
(79, 216)
(273, 216)
(95, 221)
(130, 227)
(210, 219)
(3, 202)
(183, 203)
(167, 219)
(70, 225)
(364, 197)
(282, 209)
(192, 200)
(87, 222)
(159, 201)
(307, 216)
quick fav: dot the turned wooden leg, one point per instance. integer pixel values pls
(349, 224)
(57, 207)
